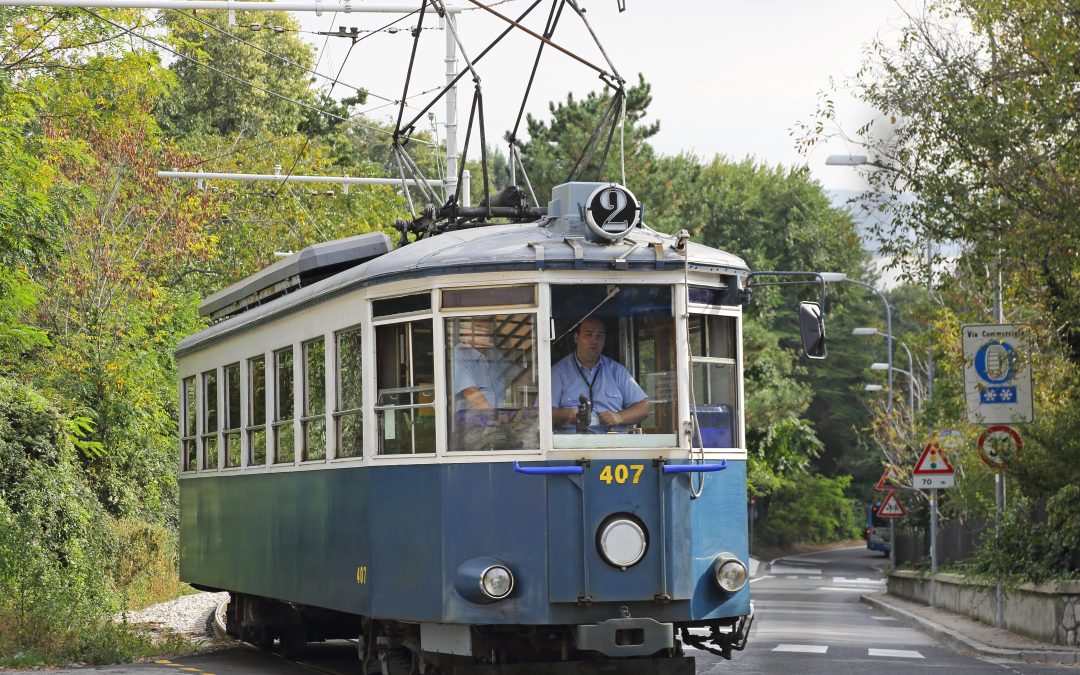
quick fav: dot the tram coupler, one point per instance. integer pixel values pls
(722, 643)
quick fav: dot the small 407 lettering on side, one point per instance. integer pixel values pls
(361, 574)
(621, 473)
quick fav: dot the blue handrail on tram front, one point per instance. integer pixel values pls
(694, 468)
(547, 470)
(570, 470)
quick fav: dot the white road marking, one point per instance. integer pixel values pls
(767, 576)
(860, 580)
(897, 653)
(792, 569)
(883, 618)
(802, 649)
(849, 589)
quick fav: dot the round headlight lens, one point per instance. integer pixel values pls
(622, 542)
(730, 574)
(497, 582)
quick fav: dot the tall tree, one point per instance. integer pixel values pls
(226, 87)
(976, 146)
(554, 148)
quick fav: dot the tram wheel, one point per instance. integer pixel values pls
(264, 639)
(294, 642)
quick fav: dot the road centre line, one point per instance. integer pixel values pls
(802, 649)
(896, 653)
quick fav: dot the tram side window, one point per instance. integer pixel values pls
(712, 339)
(231, 423)
(492, 385)
(350, 400)
(313, 421)
(189, 441)
(256, 431)
(614, 373)
(405, 376)
(284, 437)
(210, 420)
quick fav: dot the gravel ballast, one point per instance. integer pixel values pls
(190, 615)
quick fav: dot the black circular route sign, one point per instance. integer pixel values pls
(611, 211)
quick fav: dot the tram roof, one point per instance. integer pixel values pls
(549, 244)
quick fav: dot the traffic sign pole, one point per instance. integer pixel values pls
(933, 541)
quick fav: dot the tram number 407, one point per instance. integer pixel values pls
(620, 473)
(361, 574)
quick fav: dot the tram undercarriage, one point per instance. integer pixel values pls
(624, 645)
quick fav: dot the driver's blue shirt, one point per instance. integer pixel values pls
(613, 389)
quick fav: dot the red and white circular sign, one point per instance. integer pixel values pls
(998, 444)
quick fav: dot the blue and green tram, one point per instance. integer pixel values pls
(334, 481)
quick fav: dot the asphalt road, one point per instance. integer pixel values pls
(809, 620)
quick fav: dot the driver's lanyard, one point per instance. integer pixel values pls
(584, 379)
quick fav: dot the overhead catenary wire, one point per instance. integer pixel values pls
(598, 69)
(235, 78)
(283, 59)
(307, 139)
(454, 81)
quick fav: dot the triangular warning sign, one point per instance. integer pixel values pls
(891, 507)
(932, 461)
(890, 480)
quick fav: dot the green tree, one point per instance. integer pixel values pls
(231, 89)
(976, 147)
(553, 148)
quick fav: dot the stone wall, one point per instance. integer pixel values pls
(1047, 612)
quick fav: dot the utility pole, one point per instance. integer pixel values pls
(999, 476)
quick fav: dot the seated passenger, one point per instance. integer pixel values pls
(482, 373)
(588, 382)
(482, 378)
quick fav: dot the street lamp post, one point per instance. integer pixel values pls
(910, 372)
(836, 277)
(863, 160)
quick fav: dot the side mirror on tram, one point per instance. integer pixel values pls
(812, 327)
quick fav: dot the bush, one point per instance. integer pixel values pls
(66, 566)
(1034, 549)
(812, 509)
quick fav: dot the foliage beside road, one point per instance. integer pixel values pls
(976, 149)
(102, 267)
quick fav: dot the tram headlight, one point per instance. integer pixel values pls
(729, 572)
(496, 582)
(622, 540)
(484, 580)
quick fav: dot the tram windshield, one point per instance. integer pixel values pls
(613, 366)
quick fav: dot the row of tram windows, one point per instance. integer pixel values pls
(490, 354)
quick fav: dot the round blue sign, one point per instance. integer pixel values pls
(995, 362)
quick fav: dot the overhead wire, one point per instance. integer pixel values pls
(307, 139)
(235, 78)
(284, 59)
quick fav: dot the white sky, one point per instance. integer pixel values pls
(728, 77)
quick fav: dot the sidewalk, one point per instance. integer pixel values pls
(968, 635)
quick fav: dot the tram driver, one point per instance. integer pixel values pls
(594, 393)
